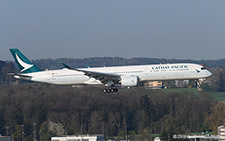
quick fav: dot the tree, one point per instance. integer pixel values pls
(216, 117)
(95, 123)
(17, 134)
(2, 121)
(217, 80)
(44, 132)
(74, 108)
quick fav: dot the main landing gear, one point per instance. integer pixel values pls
(110, 90)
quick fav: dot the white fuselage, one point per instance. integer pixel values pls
(143, 72)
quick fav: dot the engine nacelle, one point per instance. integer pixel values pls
(129, 81)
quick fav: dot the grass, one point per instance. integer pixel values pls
(219, 96)
(192, 90)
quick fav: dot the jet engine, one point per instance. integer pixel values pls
(129, 81)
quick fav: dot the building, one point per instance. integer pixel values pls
(181, 83)
(221, 132)
(79, 138)
(4, 138)
(153, 84)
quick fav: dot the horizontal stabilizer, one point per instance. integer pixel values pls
(16, 75)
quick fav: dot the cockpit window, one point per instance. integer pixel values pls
(203, 68)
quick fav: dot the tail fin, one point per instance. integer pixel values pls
(23, 63)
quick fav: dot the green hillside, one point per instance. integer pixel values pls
(219, 96)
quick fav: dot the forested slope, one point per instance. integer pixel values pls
(128, 111)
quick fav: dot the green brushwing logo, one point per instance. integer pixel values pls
(23, 64)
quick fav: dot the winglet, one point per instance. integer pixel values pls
(87, 66)
(66, 66)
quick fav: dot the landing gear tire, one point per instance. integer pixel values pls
(109, 91)
(115, 90)
(105, 91)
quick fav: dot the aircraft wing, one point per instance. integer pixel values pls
(103, 77)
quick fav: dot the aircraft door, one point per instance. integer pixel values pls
(146, 71)
(192, 69)
(48, 76)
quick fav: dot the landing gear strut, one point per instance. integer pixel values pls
(110, 90)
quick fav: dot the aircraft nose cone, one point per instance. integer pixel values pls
(208, 73)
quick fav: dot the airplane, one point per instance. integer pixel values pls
(125, 76)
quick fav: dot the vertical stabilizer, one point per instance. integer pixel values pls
(23, 63)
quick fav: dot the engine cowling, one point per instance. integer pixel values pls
(129, 81)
